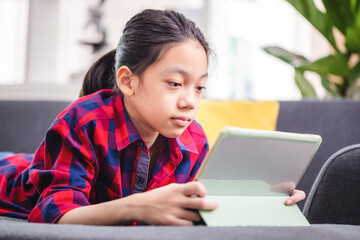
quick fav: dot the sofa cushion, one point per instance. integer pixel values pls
(214, 115)
(14, 229)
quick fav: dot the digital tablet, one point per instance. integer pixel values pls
(252, 172)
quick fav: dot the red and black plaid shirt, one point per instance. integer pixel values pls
(92, 153)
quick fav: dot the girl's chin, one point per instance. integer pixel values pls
(173, 134)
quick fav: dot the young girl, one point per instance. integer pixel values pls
(129, 154)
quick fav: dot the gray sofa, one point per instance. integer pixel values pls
(24, 123)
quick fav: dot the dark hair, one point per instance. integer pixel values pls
(100, 75)
(145, 37)
(149, 34)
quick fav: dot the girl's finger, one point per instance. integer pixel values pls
(194, 188)
(296, 196)
(190, 215)
(175, 221)
(199, 203)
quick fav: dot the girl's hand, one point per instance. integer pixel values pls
(172, 204)
(296, 196)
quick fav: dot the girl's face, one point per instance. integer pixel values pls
(166, 97)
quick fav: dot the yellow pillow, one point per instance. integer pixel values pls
(214, 115)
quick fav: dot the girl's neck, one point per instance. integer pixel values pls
(150, 140)
(148, 135)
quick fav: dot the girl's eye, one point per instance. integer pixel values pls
(200, 89)
(174, 84)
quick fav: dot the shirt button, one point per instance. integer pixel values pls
(140, 180)
(141, 144)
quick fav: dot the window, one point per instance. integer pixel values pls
(41, 47)
(13, 28)
(238, 29)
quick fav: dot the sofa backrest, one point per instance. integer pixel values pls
(23, 123)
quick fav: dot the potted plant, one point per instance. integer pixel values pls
(340, 70)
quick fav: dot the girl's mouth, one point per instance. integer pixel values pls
(181, 121)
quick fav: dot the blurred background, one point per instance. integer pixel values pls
(47, 46)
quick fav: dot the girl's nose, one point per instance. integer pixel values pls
(187, 101)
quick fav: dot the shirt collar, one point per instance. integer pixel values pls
(125, 131)
(183, 143)
(186, 142)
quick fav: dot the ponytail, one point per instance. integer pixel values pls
(100, 75)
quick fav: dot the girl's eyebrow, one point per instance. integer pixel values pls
(182, 72)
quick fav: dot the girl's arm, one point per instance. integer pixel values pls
(169, 205)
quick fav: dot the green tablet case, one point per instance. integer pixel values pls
(251, 173)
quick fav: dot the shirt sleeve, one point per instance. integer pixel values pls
(62, 171)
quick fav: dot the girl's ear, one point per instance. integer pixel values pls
(125, 80)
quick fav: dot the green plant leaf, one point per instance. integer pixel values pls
(345, 14)
(340, 14)
(318, 19)
(334, 64)
(326, 84)
(304, 85)
(353, 39)
(355, 5)
(291, 58)
(354, 73)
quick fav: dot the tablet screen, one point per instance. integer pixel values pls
(261, 162)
